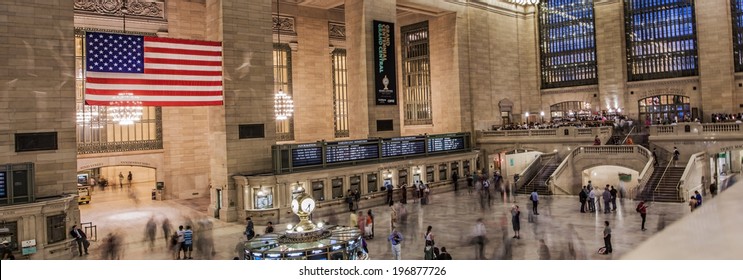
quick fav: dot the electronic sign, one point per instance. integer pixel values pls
(403, 146)
(443, 144)
(3, 185)
(351, 150)
(306, 154)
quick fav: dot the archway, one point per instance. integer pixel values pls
(570, 110)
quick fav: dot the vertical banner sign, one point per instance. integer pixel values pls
(385, 84)
(3, 185)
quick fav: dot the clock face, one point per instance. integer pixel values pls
(308, 205)
(295, 206)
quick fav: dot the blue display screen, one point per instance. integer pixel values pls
(403, 146)
(3, 185)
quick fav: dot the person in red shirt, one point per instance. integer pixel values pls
(642, 208)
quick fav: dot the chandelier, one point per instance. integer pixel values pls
(283, 105)
(524, 2)
(126, 110)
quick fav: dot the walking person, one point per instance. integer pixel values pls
(642, 208)
(361, 223)
(129, 179)
(370, 223)
(534, 201)
(607, 199)
(583, 197)
(516, 221)
(180, 238)
(167, 229)
(655, 158)
(349, 200)
(676, 155)
(479, 240)
(395, 240)
(121, 180)
(249, 229)
(389, 189)
(404, 189)
(607, 237)
(613, 193)
(469, 183)
(455, 180)
(81, 239)
(151, 231)
(428, 253)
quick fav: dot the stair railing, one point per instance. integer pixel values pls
(628, 134)
(644, 177)
(543, 164)
(657, 185)
(687, 178)
(531, 170)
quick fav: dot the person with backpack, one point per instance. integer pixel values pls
(534, 197)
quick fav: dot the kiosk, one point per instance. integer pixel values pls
(305, 240)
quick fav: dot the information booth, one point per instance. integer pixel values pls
(341, 243)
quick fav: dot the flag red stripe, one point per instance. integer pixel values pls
(151, 82)
(181, 61)
(183, 72)
(161, 103)
(182, 41)
(181, 51)
(111, 92)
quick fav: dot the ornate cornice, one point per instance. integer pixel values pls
(663, 83)
(578, 89)
(285, 24)
(137, 8)
(337, 30)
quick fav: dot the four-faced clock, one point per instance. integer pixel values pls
(295, 206)
(308, 205)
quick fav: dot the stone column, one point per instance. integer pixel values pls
(610, 38)
(37, 89)
(715, 48)
(363, 111)
(313, 93)
(244, 28)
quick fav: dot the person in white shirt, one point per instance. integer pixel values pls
(479, 239)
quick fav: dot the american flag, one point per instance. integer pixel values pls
(152, 71)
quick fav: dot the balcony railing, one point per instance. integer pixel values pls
(696, 128)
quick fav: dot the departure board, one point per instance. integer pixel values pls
(3, 185)
(403, 146)
(307, 154)
(351, 150)
(443, 144)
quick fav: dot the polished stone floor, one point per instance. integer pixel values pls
(453, 215)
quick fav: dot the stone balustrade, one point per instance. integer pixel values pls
(702, 129)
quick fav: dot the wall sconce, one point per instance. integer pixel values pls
(526, 114)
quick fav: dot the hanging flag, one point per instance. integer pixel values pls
(151, 71)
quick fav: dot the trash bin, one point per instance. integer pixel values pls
(154, 194)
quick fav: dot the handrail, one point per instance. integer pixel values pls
(628, 134)
(661, 177)
(543, 163)
(530, 170)
(644, 177)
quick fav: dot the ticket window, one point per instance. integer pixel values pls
(337, 188)
(455, 168)
(263, 197)
(429, 174)
(466, 167)
(318, 190)
(355, 183)
(402, 176)
(443, 170)
(371, 182)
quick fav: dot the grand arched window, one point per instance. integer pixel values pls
(416, 74)
(736, 7)
(98, 129)
(661, 39)
(664, 108)
(567, 43)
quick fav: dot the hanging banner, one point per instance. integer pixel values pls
(385, 78)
